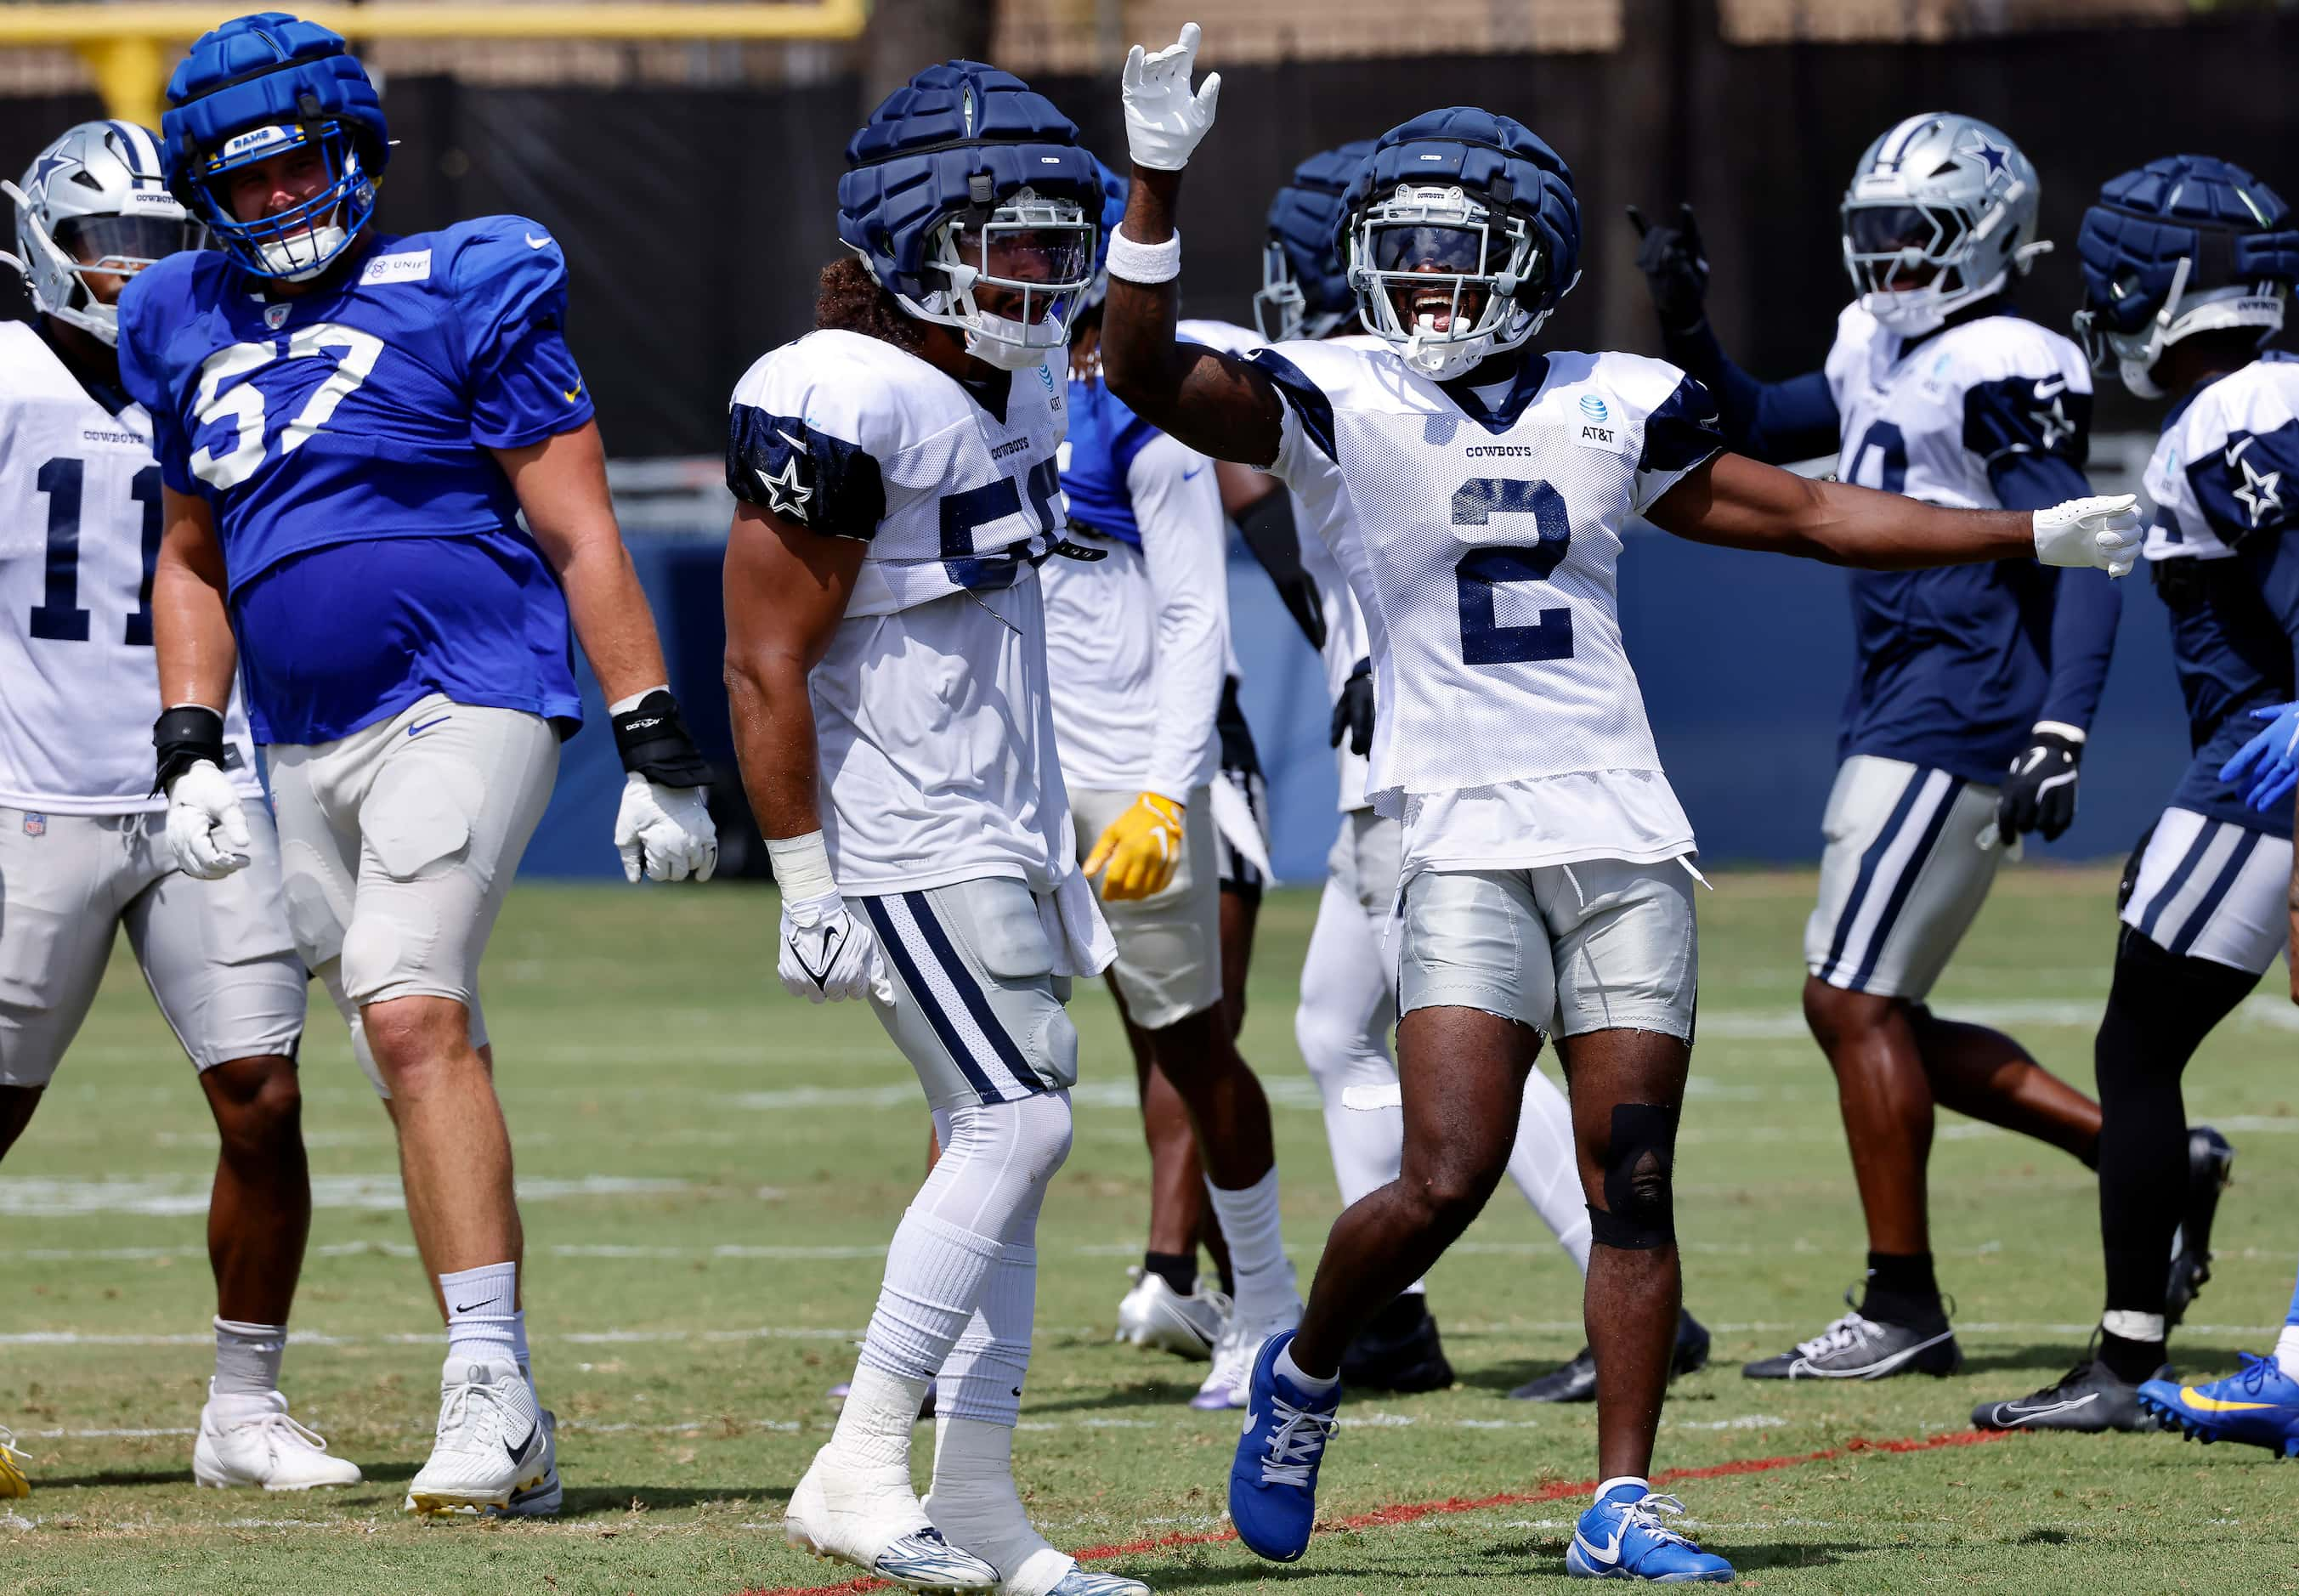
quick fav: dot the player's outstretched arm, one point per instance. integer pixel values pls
(191, 633)
(1217, 404)
(1741, 503)
(663, 828)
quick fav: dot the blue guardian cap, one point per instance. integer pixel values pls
(263, 86)
(1305, 283)
(967, 196)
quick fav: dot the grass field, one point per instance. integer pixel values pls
(710, 1170)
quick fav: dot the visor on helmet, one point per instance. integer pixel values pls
(125, 244)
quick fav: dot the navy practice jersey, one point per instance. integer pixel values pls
(1956, 665)
(341, 439)
(2225, 482)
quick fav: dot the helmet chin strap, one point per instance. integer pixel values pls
(1013, 355)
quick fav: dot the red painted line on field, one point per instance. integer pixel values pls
(1412, 1512)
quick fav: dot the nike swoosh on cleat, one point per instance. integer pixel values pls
(2210, 1404)
(2018, 1415)
(518, 1454)
(1607, 1555)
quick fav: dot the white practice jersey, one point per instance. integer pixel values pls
(1930, 422)
(79, 530)
(1481, 533)
(2228, 463)
(930, 707)
(1345, 630)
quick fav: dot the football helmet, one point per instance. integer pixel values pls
(1461, 234)
(2185, 244)
(263, 86)
(93, 202)
(968, 198)
(1945, 204)
(1305, 285)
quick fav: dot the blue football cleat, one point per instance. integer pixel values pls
(2259, 1407)
(1272, 1486)
(1623, 1537)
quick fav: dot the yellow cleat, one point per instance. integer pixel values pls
(13, 1481)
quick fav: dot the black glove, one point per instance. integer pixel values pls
(653, 741)
(1353, 711)
(182, 737)
(1675, 269)
(2040, 795)
(1266, 525)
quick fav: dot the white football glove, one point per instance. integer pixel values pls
(828, 954)
(1164, 121)
(2103, 530)
(207, 829)
(665, 833)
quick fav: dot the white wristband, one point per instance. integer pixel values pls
(1145, 262)
(801, 866)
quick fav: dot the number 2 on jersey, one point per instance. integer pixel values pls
(243, 405)
(1479, 573)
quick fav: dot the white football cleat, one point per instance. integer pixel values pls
(1153, 1314)
(251, 1440)
(874, 1520)
(495, 1452)
(1233, 1354)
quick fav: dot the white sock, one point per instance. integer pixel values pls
(247, 1356)
(982, 1378)
(936, 1273)
(1290, 1370)
(974, 1506)
(1643, 1485)
(2286, 1352)
(875, 1422)
(481, 1311)
(2131, 1325)
(1251, 1226)
(1547, 1169)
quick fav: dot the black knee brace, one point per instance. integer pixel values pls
(1639, 1211)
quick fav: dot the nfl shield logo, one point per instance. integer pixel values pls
(276, 315)
(36, 825)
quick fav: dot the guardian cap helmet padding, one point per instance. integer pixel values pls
(968, 198)
(1305, 283)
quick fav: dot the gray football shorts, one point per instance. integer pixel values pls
(216, 954)
(1601, 944)
(1902, 878)
(1169, 943)
(2209, 889)
(398, 845)
(977, 1009)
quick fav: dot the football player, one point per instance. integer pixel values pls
(83, 843)
(1349, 998)
(2187, 264)
(1476, 494)
(1137, 636)
(349, 427)
(886, 662)
(1975, 687)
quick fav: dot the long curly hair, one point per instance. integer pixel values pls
(850, 300)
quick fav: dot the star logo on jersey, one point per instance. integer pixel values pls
(2261, 492)
(787, 492)
(1993, 156)
(2051, 421)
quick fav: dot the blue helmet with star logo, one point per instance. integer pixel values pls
(2185, 244)
(1305, 283)
(263, 85)
(967, 196)
(1940, 214)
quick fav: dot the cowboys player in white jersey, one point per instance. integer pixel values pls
(1975, 691)
(83, 843)
(886, 663)
(1348, 989)
(1546, 878)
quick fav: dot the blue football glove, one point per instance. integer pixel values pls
(2270, 760)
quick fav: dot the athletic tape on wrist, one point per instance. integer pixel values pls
(801, 866)
(1147, 263)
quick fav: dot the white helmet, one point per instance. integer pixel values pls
(1945, 193)
(95, 201)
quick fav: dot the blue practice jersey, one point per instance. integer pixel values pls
(2225, 482)
(1104, 439)
(341, 439)
(1956, 665)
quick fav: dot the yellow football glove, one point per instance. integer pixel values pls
(1142, 849)
(13, 1481)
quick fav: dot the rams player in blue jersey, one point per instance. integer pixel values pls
(349, 427)
(1973, 692)
(2187, 264)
